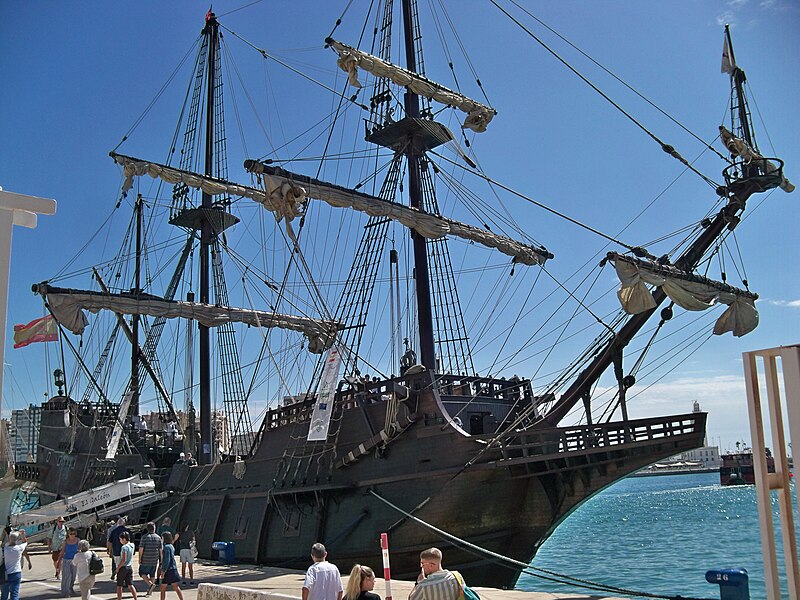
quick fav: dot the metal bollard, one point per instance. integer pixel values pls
(733, 583)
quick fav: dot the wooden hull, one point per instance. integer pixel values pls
(505, 495)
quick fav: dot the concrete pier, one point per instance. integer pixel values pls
(273, 583)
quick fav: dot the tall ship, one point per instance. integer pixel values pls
(357, 332)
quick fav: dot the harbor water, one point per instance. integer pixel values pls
(659, 535)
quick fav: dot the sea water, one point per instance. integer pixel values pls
(659, 535)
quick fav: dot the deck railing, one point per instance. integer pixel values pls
(605, 436)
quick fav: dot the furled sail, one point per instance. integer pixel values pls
(738, 147)
(691, 292)
(282, 205)
(68, 305)
(277, 181)
(478, 115)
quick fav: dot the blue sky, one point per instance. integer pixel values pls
(76, 76)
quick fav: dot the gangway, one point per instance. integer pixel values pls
(86, 508)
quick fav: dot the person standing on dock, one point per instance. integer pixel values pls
(125, 565)
(54, 543)
(434, 582)
(360, 584)
(150, 549)
(168, 571)
(84, 578)
(68, 551)
(114, 543)
(323, 581)
(14, 550)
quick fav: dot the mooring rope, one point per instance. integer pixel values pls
(526, 568)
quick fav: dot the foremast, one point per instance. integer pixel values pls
(748, 173)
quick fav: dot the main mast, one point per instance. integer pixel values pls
(212, 31)
(414, 155)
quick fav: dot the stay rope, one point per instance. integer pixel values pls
(664, 146)
(527, 569)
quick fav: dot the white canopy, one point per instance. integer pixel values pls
(478, 115)
(68, 305)
(426, 224)
(690, 292)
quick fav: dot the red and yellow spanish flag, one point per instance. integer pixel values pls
(40, 330)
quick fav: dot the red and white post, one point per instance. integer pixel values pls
(387, 574)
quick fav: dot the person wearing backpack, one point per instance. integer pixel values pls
(434, 582)
(82, 574)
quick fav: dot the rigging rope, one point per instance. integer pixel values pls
(266, 55)
(542, 206)
(664, 146)
(530, 570)
(614, 75)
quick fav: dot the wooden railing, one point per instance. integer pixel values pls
(606, 436)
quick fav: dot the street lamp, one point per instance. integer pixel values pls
(58, 376)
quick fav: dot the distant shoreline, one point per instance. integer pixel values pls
(677, 471)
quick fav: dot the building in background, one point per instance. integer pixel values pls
(24, 433)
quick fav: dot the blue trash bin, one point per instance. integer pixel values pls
(226, 552)
(733, 583)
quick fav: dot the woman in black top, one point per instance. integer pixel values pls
(360, 584)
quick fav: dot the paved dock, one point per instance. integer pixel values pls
(40, 583)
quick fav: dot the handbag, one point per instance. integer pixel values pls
(95, 564)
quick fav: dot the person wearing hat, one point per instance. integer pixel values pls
(181, 459)
(13, 552)
(55, 542)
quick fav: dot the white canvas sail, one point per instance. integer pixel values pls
(688, 292)
(68, 305)
(277, 181)
(350, 59)
(738, 147)
(282, 206)
(284, 193)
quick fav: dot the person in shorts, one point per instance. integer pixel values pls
(169, 569)
(114, 544)
(55, 542)
(187, 554)
(150, 548)
(125, 566)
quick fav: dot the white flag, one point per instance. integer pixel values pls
(727, 58)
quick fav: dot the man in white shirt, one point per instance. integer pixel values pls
(323, 581)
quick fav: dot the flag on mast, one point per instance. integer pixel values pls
(44, 329)
(727, 58)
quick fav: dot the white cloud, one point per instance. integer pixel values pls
(722, 396)
(786, 303)
(726, 18)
